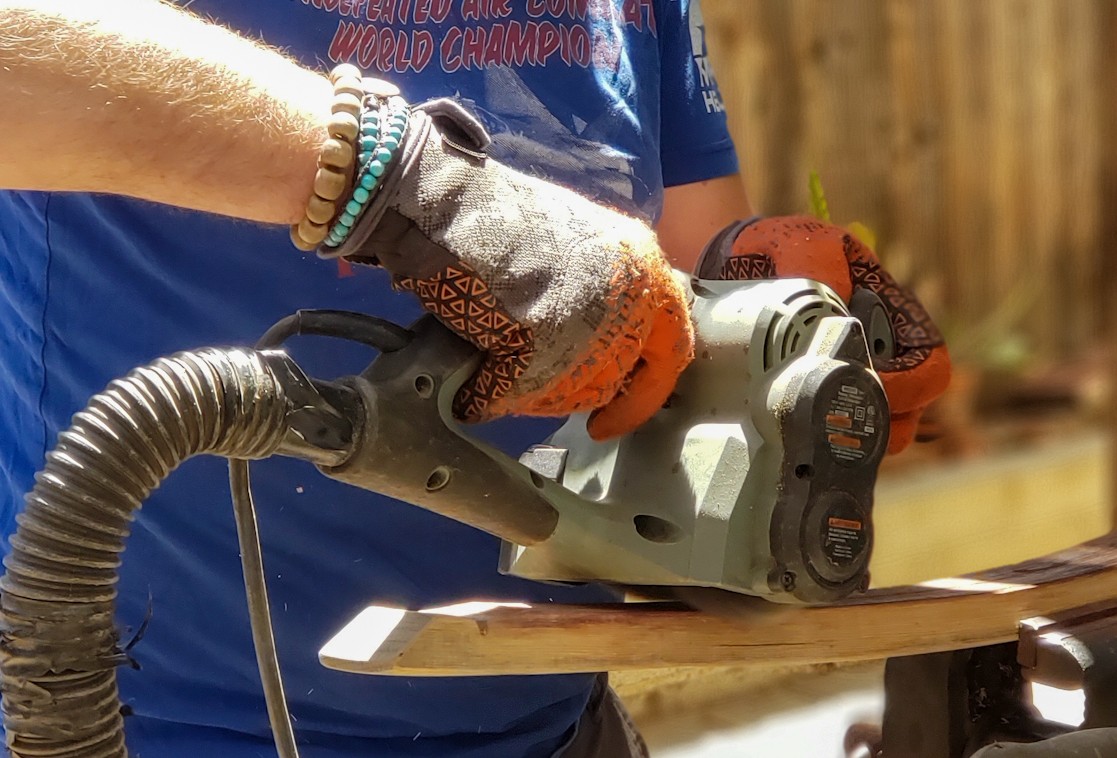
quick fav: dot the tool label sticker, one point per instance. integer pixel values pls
(851, 424)
(843, 536)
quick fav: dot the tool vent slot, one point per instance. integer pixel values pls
(793, 325)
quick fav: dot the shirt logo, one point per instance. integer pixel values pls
(404, 36)
(711, 95)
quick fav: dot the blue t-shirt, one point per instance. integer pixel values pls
(612, 97)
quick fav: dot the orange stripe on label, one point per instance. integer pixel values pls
(842, 440)
(845, 422)
(844, 523)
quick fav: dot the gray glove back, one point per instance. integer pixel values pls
(572, 302)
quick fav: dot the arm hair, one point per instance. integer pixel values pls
(140, 98)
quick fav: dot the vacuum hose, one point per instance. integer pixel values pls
(58, 643)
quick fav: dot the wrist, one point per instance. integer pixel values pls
(364, 132)
(290, 174)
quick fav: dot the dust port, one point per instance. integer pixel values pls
(804, 471)
(656, 529)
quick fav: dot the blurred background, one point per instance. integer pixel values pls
(978, 142)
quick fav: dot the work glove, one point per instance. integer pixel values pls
(802, 246)
(572, 303)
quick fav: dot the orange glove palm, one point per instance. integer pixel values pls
(802, 246)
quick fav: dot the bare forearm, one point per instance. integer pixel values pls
(693, 213)
(138, 98)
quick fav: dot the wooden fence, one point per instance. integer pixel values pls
(977, 139)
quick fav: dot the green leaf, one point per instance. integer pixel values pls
(818, 199)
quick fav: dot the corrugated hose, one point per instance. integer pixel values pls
(59, 647)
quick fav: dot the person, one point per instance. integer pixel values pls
(155, 161)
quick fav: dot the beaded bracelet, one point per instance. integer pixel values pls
(335, 160)
(370, 116)
(382, 130)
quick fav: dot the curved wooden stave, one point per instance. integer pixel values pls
(497, 639)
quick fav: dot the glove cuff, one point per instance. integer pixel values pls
(444, 119)
(717, 252)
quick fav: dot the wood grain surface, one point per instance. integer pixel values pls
(489, 639)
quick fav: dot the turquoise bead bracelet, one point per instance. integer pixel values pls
(381, 132)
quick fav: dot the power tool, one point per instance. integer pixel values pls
(757, 478)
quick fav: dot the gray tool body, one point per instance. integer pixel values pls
(757, 477)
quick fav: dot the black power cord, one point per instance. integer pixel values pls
(386, 337)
